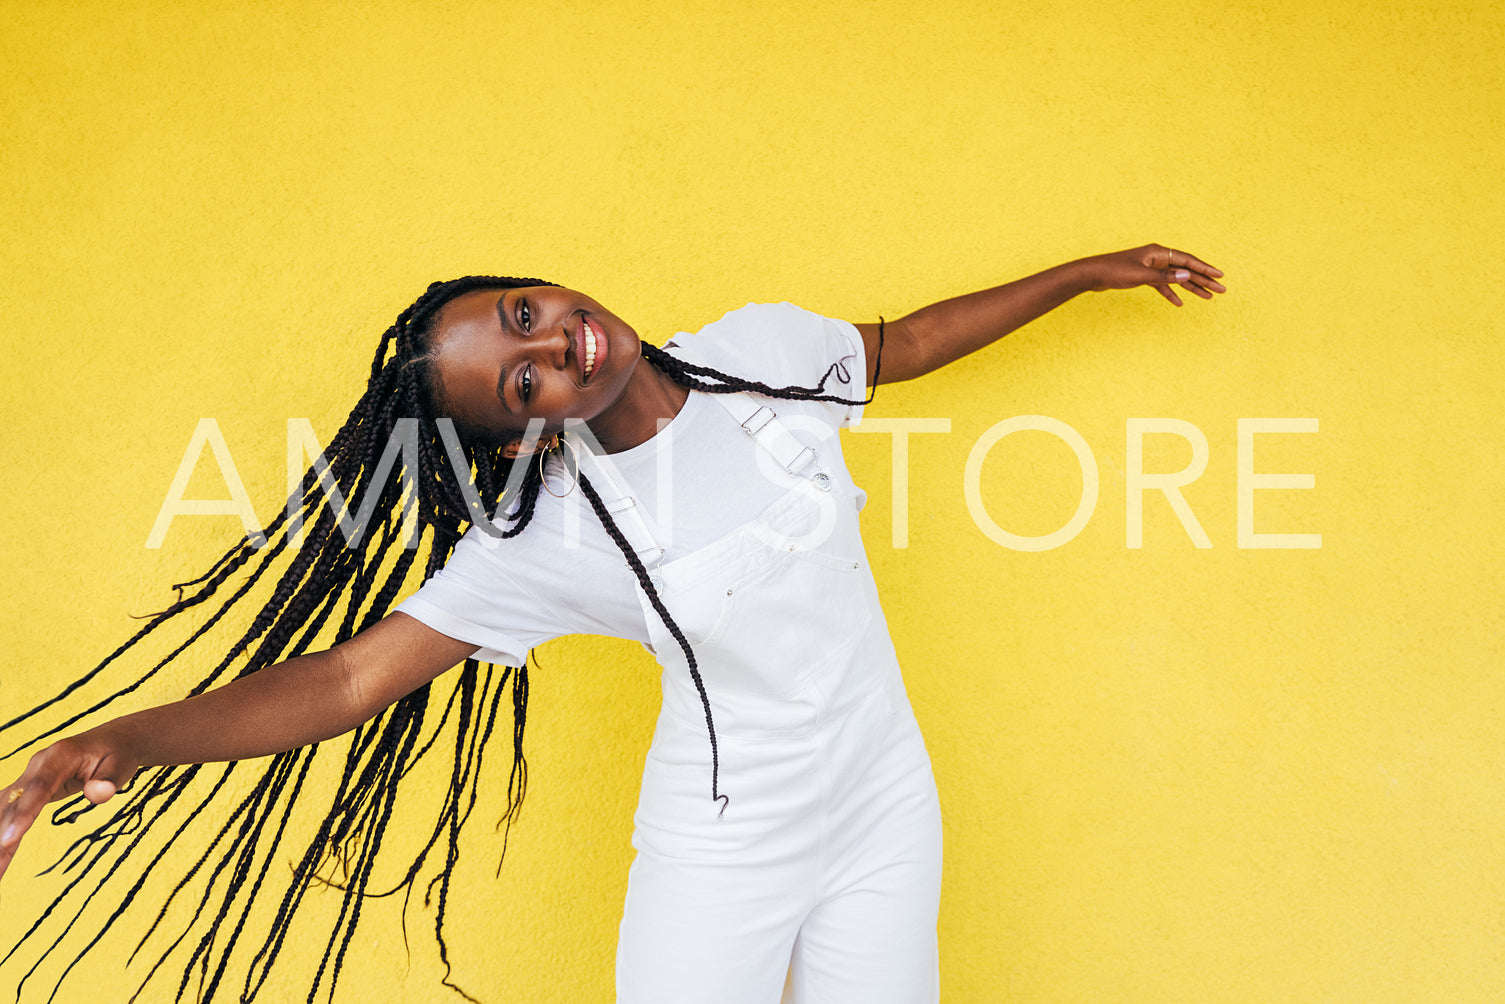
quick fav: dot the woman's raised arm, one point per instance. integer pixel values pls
(303, 700)
(943, 332)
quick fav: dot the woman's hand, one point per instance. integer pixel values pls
(89, 763)
(1154, 265)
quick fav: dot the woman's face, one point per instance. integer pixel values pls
(505, 356)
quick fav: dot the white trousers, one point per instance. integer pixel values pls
(826, 865)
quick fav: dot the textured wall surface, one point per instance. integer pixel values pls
(1168, 773)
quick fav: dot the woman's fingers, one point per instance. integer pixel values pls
(1199, 286)
(1192, 273)
(1180, 259)
(1160, 268)
(98, 791)
(20, 804)
(1204, 282)
(56, 772)
(1179, 268)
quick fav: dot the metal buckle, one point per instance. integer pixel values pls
(757, 420)
(801, 461)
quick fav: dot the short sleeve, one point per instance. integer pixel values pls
(847, 340)
(474, 598)
(782, 345)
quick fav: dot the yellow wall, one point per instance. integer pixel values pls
(1168, 774)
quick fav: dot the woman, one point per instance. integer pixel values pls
(788, 820)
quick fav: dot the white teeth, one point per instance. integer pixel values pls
(590, 350)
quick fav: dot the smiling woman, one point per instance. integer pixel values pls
(504, 357)
(787, 822)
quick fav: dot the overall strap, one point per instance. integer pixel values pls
(622, 506)
(762, 423)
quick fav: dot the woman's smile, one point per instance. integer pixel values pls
(593, 348)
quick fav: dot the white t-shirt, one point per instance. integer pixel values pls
(700, 478)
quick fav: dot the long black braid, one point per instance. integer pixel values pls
(459, 482)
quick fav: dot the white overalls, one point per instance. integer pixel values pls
(826, 862)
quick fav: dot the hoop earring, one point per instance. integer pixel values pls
(560, 442)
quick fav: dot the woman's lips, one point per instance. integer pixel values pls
(592, 348)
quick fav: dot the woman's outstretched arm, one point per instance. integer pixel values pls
(943, 332)
(303, 700)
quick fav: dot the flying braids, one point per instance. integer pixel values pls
(350, 583)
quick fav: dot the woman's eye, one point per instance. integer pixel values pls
(525, 385)
(524, 315)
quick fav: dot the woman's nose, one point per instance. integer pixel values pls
(551, 346)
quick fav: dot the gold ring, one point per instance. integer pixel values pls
(1170, 258)
(15, 793)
